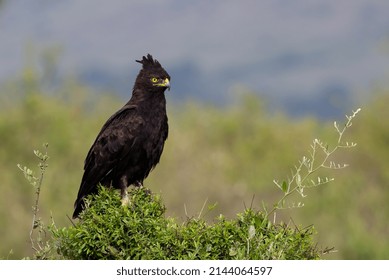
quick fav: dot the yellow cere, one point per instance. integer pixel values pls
(162, 83)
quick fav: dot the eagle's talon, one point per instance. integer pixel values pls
(125, 201)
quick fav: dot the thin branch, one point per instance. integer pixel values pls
(307, 166)
(36, 182)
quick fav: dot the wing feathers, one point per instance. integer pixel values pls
(112, 144)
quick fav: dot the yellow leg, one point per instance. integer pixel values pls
(125, 199)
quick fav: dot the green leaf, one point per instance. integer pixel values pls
(284, 186)
(251, 231)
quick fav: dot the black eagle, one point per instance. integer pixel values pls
(130, 143)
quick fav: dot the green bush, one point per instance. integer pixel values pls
(108, 230)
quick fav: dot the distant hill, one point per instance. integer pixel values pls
(305, 58)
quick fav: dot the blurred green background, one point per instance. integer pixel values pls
(225, 155)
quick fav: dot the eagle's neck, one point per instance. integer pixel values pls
(151, 101)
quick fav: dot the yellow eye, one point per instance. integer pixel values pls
(154, 80)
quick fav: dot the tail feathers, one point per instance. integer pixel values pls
(79, 205)
(85, 189)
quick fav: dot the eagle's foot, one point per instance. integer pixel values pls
(125, 199)
(139, 185)
(147, 191)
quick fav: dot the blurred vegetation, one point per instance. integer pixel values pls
(228, 156)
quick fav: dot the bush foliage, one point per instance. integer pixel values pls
(108, 230)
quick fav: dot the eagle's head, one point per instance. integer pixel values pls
(152, 76)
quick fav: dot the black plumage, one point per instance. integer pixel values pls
(130, 143)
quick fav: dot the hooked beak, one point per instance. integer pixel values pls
(166, 83)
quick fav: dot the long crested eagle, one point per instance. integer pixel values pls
(130, 143)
